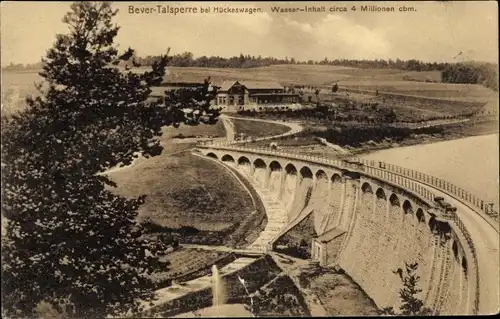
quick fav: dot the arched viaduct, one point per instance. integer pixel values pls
(370, 222)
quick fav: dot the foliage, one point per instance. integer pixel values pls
(71, 243)
(411, 305)
(280, 298)
(193, 104)
(485, 74)
(335, 88)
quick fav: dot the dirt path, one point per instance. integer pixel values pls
(228, 126)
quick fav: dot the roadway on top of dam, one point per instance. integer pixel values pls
(486, 242)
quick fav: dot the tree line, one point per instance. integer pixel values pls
(480, 73)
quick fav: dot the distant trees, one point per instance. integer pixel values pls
(484, 73)
(411, 305)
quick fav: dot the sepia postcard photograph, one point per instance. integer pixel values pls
(249, 159)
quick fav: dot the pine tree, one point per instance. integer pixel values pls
(71, 242)
(411, 305)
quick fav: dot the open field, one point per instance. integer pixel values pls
(16, 85)
(448, 91)
(315, 75)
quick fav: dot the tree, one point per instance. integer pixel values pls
(335, 88)
(411, 305)
(193, 106)
(70, 241)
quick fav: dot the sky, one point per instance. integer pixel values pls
(436, 31)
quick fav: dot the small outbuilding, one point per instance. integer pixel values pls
(325, 247)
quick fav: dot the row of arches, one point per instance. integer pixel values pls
(321, 175)
(305, 172)
(394, 201)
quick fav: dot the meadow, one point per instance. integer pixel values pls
(179, 192)
(16, 85)
(258, 129)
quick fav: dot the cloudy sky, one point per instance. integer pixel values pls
(437, 31)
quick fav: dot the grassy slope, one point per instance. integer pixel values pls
(185, 190)
(258, 129)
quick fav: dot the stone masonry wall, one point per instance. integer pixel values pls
(385, 235)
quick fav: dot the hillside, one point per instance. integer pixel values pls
(16, 85)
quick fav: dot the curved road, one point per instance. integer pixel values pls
(486, 242)
(230, 133)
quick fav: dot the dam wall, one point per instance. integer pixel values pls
(386, 224)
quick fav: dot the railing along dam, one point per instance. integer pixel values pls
(387, 217)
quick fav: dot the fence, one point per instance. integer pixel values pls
(406, 178)
(478, 205)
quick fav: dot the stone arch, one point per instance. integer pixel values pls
(432, 223)
(394, 200)
(366, 188)
(336, 178)
(321, 175)
(212, 155)
(420, 215)
(291, 169)
(275, 166)
(407, 208)
(381, 194)
(454, 247)
(305, 172)
(243, 160)
(259, 163)
(227, 158)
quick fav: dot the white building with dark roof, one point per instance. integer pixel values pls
(238, 94)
